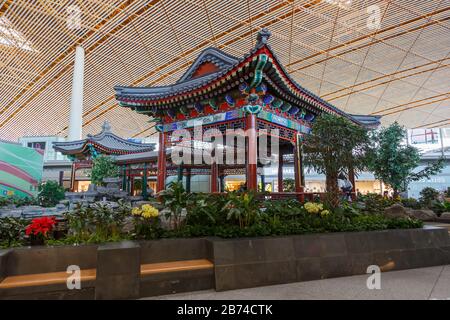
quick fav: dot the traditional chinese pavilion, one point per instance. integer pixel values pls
(252, 93)
(81, 152)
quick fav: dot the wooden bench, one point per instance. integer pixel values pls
(176, 276)
(156, 279)
(174, 266)
(43, 279)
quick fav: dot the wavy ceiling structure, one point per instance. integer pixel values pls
(388, 57)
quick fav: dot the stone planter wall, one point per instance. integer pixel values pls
(166, 250)
(246, 263)
(238, 263)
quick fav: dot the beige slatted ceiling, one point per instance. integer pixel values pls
(400, 70)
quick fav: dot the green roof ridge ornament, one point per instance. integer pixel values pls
(262, 60)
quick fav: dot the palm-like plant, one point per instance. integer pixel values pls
(176, 200)
(244, 208)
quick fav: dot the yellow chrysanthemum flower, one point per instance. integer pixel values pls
(312, 207)
(149, 212)
(325, 213)
(136, 211)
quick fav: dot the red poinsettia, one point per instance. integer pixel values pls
(41, 226)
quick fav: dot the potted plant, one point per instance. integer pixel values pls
(39, 229)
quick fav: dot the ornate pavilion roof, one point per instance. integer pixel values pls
(215, 72)
(105, 142)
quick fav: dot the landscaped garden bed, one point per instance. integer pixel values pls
(178, 214)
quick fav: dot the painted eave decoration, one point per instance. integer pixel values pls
(216, 74)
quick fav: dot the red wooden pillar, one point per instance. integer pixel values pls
(161, 177)
(351, 178)
(252, 152)
(72, 178)
(214, 177)
(280, 172)
(298, 170)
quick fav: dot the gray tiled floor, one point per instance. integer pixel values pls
(417, 284)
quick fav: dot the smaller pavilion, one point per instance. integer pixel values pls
(82, 152)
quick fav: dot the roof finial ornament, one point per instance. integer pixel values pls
(106, 127)
(263, 37)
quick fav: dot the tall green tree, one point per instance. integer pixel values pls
(334, 146)
(50, 193)
(103, 167)
(393, 161)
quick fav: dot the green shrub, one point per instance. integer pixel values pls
(244, 208)
(428, 196)
(411, 203)
(103, 167)
(98, 223)
(12, 231)
(310, 224)
(288, 185)
(375, 203)
(177, 200)
(17, 201)
(440, 207)
(50, 193)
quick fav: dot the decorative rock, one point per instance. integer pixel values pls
(396, 211)
(423, 214)
(61, 207)
(120, 194)
(111, 180)
(445, 215)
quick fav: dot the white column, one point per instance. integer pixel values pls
(76, 102)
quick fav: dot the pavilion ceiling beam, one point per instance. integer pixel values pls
(408, 103)
(370, 44)
(417, 106)
(417, 36)
(5, 5)
(382, 77)
(65, 54)
(388, 81)
(378, 32)
(145, 130)
(205, 43)
(434, 124)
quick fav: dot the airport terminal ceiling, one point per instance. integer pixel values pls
(388, 58)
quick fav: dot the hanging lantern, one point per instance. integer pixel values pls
(309, 117)
(286, 107)
(277, 103)
(302, 114)
(261, 89)
(199, 107)
(172, 113)
(184, 110)
(213, 104)
(293, 111)
(244, 88)
(268, 99)
(229, 100)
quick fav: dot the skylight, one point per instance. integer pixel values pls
(11, 37)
